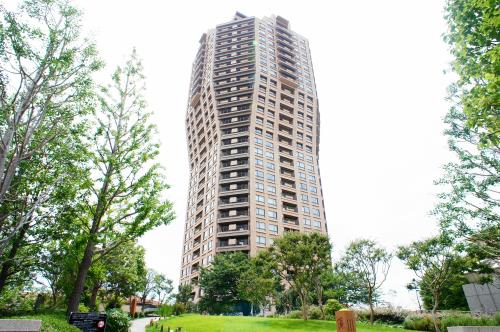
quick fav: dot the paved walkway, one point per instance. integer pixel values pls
(139, 325)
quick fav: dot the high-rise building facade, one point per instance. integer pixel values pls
(252, 128)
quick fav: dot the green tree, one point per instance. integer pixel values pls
(434, 261)
(219, 282)
(147, 286)
(162, 286)
(371, 263)
(256, 285)
(469, 205)
(124, 272)
(452, 295)
(345, 287)
(184, 294)
(299, 260)
(45, 92)
(473, 39)
(125, 197)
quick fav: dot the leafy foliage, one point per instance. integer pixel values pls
(469, 205)
(124, 200)
(300, 260)
(365, 260)
(473, 39)
(117, 321)
(219, 282)
(435, 262)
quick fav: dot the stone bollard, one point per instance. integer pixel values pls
(346, 320)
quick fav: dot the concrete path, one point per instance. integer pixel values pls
(139, 325)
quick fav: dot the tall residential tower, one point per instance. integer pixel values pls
(252, 128)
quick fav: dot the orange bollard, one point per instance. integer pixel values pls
(346, 320)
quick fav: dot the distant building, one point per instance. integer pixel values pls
(252, 126)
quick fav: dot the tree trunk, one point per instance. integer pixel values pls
(251, 309)
(7, 265)
(320, 304)
(83, 269)
(370, 303)
(434, 316)
(304, 308)
(93, 296)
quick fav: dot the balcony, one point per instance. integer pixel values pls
(239, 243)
(233, 201)
(232, 230)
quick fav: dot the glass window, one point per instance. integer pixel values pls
(306, 210)
(261, 225)
(258, 140)
(260, 212)
(259, 186)
(259, 174)
(316, 212)
(317, 224)
(271, 201)
(272, 214)
(307, 222)
(314, 189)
(260, 199)
(270, 165)
(259, 162)
(258, 151)
(261, 240)
(269, 154)
(271, 189)
(271, 177)
(314, 200)
(273, 228)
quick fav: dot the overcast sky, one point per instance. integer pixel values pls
(379, 75)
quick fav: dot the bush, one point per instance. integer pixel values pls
(332, 306)
(14, 301)
(469, 320)
(384, 315)
(117, 321)
(178, 309)
(295, 314)
(82, 308)
(314, 312)
(419, 323)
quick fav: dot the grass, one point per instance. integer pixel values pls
(54, 322)
(199, 323)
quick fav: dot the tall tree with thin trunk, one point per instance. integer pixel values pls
(300, 260)
(45, 94)
(45, 88)
(433, 261)
(125, 199)
(469, 204)
(371, 263)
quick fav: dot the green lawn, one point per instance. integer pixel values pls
(198, 323)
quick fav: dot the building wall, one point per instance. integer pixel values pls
(252, 126)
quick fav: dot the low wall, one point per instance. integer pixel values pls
(474, 329)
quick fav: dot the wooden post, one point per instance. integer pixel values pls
(133, 305)
(346, 320)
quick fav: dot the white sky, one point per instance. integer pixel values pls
(379, 74)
